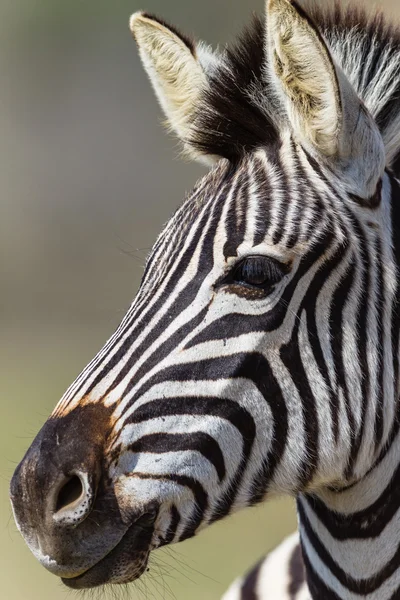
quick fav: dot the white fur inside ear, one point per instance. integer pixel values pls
(175, 72)
(305, 76)
(322, 107)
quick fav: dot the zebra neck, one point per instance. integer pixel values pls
(351, 538)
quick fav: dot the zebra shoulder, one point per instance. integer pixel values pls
(278, 576)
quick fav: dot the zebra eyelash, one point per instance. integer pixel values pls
(254, 275)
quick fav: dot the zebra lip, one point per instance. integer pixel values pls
(125, 562)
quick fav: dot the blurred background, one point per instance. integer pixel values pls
(87, 178)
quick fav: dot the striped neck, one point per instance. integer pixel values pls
(351, 538)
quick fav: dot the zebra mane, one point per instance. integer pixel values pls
(240, 112)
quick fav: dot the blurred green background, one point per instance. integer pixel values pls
(87, 178)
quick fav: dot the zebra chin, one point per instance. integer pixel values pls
(94, 564)
(126, 562)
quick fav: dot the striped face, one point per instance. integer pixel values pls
(227, 377)
(252, 361)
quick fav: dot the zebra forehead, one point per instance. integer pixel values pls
(252, 194)
(222, 186)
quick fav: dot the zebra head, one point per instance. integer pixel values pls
(258, 354)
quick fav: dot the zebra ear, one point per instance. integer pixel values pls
(323, 109)
(176, 67)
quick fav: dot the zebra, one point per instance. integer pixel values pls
(260, 355)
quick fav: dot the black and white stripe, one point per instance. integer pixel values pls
(193, 385)
(221, 393)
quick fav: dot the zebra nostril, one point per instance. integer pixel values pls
(70, 492)
(73, 499)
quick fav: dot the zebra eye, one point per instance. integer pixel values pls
(258, 272)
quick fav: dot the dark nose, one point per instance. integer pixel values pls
(63, 479)
(57, 483)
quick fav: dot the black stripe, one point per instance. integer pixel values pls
(235, 222)
(225, 409)
(173, 526)
(283, 203)
(264, 190)
(365, 524)
(297, 216)
(335, 321)
(317, 588)
(386, 448)
(197, 441)
(291, 358)
(395, 208)
(296, 572)
(362, 328)
(357, 586)
(379, 367)
(199, 494)
(248, 590)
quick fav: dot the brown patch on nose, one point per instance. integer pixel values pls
(67, 405)
(80, 435)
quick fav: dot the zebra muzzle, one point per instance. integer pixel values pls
(126, 562)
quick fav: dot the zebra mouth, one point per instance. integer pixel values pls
(126, 562)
